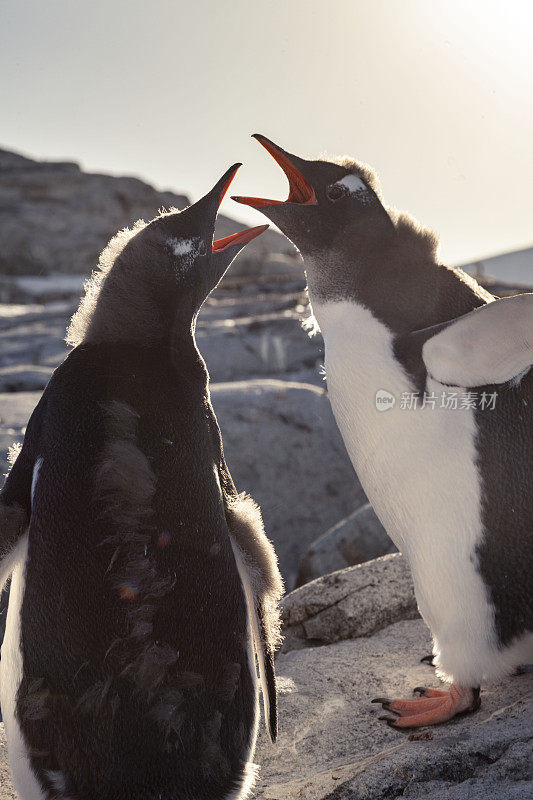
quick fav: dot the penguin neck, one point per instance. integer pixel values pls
(405, 295)
(144, 325)
(183, 350)
(140, 312)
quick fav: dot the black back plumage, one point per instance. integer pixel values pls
(188, 708)
(505, 457)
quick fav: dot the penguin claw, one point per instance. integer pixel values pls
(423, 691)
(431, 708)
(428, 660)
(381, 700)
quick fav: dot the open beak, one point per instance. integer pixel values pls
(241, 237)
(300, 190)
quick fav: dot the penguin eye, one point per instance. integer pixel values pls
(334, 192)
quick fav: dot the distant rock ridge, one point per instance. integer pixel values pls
(56, 218)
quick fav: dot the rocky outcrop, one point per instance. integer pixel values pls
(358, 538)
(24, 379)
(282, 445)
(353, 636)
(56, 218)
(350, 603)
(7, 792)
(331, 745)
(263, 344)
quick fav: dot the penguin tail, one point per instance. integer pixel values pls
(268, 680)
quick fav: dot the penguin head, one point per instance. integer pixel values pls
(353, 246)
(178, 252)
(330, 203)
(153, 279)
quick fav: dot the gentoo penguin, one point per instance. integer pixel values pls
(430, 383)
(143, 586)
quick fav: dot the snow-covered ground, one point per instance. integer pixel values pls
(38, 285)
(515, 267)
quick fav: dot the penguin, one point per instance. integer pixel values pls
(143, 585)
(430, 383)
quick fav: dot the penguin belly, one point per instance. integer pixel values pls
(419, 471)
(11, 673)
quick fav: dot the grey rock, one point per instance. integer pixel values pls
(15, 409)
(352, 602)
(313, 375)
(7, 792)
(332, 746)
(288, 263)
(282, 445)
(358, 538)
(25, 378)
(55, 217)
(14, 315)
(50, 289)
(225, 305)
(31, 342)
(267, 344)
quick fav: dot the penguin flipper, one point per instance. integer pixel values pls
(263, 649)
(490, 345)
(15, 495)
(15, 511)
(263, 588)
(13, 523)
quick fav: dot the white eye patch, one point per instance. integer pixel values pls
(353, 184)
(185, 250)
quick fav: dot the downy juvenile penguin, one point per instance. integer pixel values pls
(430, 383)
(143, 586)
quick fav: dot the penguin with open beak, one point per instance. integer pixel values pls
(430, 381)
(143, 585)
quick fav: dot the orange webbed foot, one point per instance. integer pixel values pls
(432, 707)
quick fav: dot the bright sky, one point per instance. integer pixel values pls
(435, 94)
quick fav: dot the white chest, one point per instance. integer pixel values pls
(417, 466)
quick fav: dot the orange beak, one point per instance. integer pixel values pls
(241, 237)
(300, 190)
